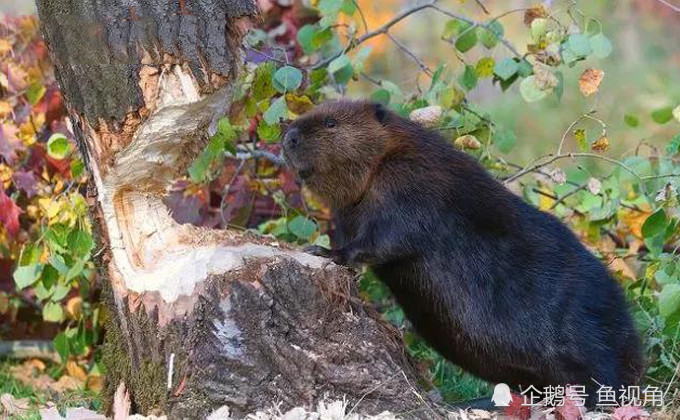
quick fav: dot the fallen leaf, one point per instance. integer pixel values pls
(94, 383)
(11, 406)
(629, 412)
(25, 181)
(29, 375)
(590, 81)
(600, 145)
(67, 383)
(9, 214)
(76, 371)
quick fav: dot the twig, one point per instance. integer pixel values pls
(410, 53)
(361, 13)
(474, 24)
(261, 154)
(379, 31)
(28, 349)
(481, 5)
(669, 4)
(225, 194)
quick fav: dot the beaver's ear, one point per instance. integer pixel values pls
(380, 112)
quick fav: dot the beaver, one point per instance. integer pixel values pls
(503, 290)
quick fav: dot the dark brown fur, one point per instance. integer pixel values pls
(496, 286)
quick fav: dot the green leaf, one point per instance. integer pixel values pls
(631, 120)
(305, 37)
(580, 138)
(75, 270)
(26, 275)
(302, 227)
(262, 86)
(578, 44)
(601, 46)
(663, 115)
(80, 242)
(466, 40)
(269, 133)
(277, 110)
(35, 93)
(52, 312)
(669, 300)
(504, 140)
(506, 68)
(396, 94)
(214, 152)
(61, 346)
(455, 27)
(559, 89)
(255, 37)
(60, 292)
(525, 69)
(381, 96)
(341, 68)
(58, 146)
(339, 63)
(287, 79)
(77, 168)
(468, 79)
(530, 91)
(451, 97)
(320, 38)
(655, 224)
(673, 147)
(489, 36)
(539, 27)
(49, 276)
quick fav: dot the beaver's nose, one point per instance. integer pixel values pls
(291, 138)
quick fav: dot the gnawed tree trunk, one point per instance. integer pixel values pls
(201, 318)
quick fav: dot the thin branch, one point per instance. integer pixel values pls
(474, 24)
(669, 4)
(411, 54)
(481, 5)
(361, 13)
(554, 158)
(379, 31)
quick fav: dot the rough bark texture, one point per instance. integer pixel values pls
(201, 318)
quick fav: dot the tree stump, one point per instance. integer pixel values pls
(201, 318)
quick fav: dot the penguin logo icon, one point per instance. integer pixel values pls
(501, 395)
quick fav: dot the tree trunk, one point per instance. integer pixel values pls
(201, 318)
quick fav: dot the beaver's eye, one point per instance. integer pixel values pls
(331, 122)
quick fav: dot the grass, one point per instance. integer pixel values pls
(40, 398)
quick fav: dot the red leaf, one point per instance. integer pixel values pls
(630, 412)
(9, 214)
(569, 411)
(517, 408)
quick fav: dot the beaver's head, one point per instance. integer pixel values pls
(336, 147)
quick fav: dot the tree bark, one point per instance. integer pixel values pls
(201, 318)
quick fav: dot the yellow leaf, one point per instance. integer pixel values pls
(590, 81)
(600, 145)
(544, 201)
(75, 370)
(5, 46)
(5, 109)
(49, 208)
(74, 307)
(298, 104)
(94, 383)
(484, 67)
